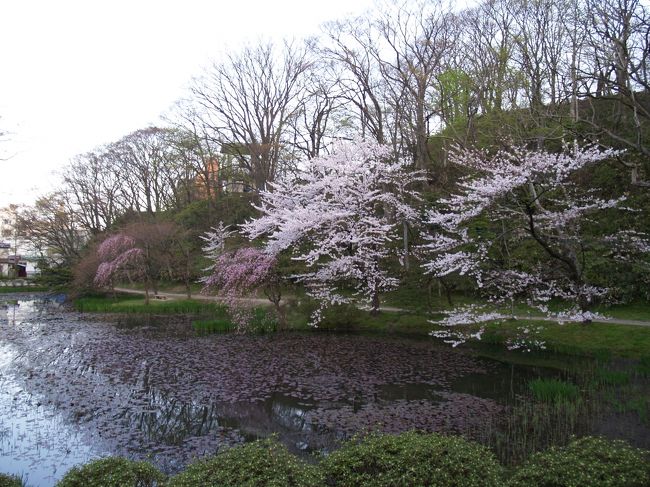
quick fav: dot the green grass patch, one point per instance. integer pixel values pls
(155, 306)
(263, 321)
(553, 390)
(165, 286)
(639, 405)
(260, 321)
(628, 311)
(643, 366)
(595, 339)
(612, 377)
(420, 299)
(213, 326)
(598, 340)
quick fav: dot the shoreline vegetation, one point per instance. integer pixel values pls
(595, 339)
(380, 460)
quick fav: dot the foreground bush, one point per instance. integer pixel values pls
(595, 462)
(262, 463)
(412, 459)
(10, 481)
(113, 472)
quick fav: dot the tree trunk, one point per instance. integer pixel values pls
(406, 246)
(374, 311)
(274, 294)
(282, 316)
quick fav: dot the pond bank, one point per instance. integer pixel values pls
(609, 338)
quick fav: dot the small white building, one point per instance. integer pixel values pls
(15, 252)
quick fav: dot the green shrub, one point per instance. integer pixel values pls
(10, 480)
(412, 459)
(342, 317)
(263, 321)
(113, 472)
(553, 390)
(261, 463)
(589, 461)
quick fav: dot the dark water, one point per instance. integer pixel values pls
(74, 388)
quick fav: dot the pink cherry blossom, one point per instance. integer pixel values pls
(339, 216)
(530, 194)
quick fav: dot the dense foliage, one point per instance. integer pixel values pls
(113, 472)
(381, 460)
(261, 463)
(587, 461)
(412, 459)
(10, 481)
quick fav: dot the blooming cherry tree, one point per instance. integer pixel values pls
(238, 274)
(215, 242)
(521, 206)
(340, 217)
(142, 252)
(631, 250)
(119, 258)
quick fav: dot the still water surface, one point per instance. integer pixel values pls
(74, 387)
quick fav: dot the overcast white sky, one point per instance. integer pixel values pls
(77, 74)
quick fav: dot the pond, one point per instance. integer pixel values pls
(76, 387)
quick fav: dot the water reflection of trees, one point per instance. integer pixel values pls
(170, 421)
(165, 419)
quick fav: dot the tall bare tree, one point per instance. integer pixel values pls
(248, 101)
(96, 187)
(197, 147)
(348, 46)
(619, 39)
(53, 227)
(150, 167)
(417, 39)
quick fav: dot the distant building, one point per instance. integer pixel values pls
(234, 178)
(222, 174)
(15, 252)
(13, 266)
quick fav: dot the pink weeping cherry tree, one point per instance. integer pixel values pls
(516, 228)
(119, 258)
(144, 252)
(238, 274)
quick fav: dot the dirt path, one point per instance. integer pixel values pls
(197, 296)
(265, 302)
(616, 321)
